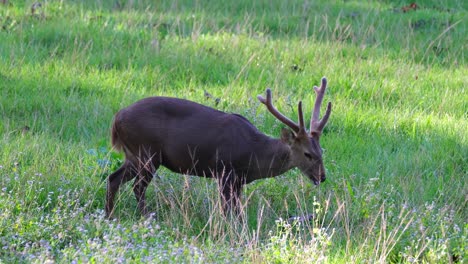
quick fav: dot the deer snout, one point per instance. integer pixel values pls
(316, 173)
(320, 176)
(321, 179)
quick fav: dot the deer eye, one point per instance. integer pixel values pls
(308, 155)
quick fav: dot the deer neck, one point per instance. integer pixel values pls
(273, 158)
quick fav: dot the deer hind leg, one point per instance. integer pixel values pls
(144, 176)
(122, 175)
(139, 189)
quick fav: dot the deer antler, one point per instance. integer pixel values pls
(293, 125)
(316, 124)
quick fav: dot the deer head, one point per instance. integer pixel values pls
(306, 153)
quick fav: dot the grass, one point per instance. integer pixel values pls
(396, 145)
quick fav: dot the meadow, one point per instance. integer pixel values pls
(395, 147)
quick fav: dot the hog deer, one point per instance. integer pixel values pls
(190, 138)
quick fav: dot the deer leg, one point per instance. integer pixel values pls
(230, 188)
(139, 188)
(114, 181)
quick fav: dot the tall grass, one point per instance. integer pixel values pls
(396, 146)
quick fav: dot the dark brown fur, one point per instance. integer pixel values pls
(190, 138)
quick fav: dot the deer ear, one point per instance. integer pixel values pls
(287, 136)
(315, 135)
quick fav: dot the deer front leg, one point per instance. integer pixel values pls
(230, 188)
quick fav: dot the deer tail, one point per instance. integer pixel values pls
(115, 139)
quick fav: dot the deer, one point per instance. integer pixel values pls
(194, 139)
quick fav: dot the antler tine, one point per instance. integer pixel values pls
(317, 125)
(324, 120)
(301, 118)
(277, 114)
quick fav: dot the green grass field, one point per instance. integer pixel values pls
(396, 145)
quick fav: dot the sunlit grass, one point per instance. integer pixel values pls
(396, 146)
